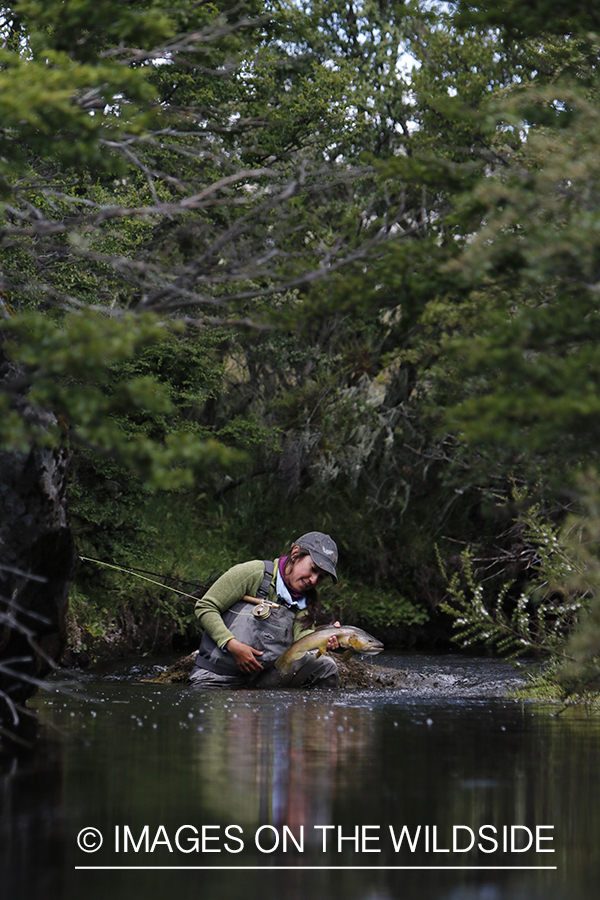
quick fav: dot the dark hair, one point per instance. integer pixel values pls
(308, 616)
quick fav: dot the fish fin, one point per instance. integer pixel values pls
(348, 654)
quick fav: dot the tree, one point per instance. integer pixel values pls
(250, 229)
(149, 191)
(506, 344)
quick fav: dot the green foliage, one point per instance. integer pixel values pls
(581, 533)
(474, 623)
(516, 334)
(184, 225)
(373, 607)
(539, 619)
(82, 367)
(176, 541)
(534, 16)
(258, 226)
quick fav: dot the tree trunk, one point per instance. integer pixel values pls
(37, 561)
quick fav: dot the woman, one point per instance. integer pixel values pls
(242, 639)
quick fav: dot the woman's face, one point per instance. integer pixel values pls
(305, 573)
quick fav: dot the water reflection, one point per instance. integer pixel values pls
(149, 756)
(31, 826)
(281, 763)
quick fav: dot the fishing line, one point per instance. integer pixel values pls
(136, 574)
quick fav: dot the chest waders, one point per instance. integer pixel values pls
(273, 635)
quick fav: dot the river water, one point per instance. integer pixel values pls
(443, 790)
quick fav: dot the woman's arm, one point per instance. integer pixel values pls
(244, 578)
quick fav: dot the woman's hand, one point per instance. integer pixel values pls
(332, 643)
(245, 656)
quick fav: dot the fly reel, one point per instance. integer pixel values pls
(262, 611)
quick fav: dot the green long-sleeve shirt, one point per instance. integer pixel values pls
(245, 578)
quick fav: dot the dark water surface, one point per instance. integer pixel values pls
(156, 767)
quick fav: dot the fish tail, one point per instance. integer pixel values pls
(283, 664)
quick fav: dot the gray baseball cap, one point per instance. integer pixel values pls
(322, 549)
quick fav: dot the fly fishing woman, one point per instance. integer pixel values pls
(257, 610)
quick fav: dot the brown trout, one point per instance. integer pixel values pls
(351, 639)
